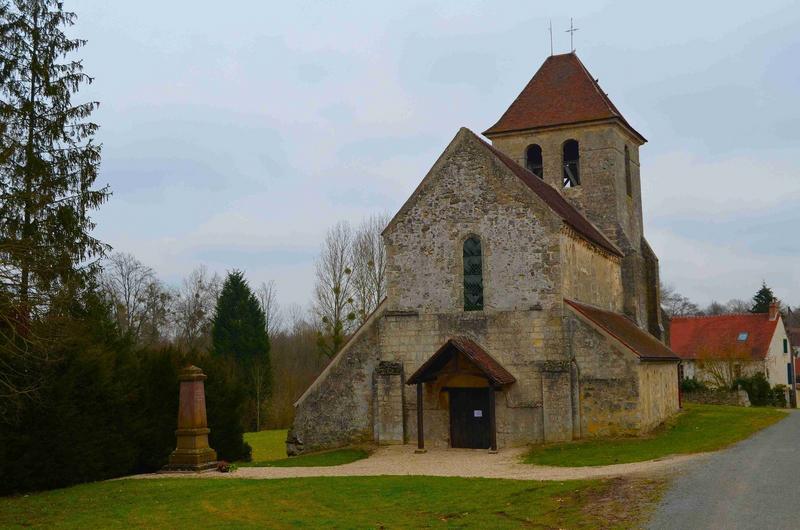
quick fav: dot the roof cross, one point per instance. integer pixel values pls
(571, 32)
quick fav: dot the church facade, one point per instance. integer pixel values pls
(522, 297)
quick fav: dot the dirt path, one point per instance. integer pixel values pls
(401, 460)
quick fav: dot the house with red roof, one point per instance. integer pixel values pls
(717, 349)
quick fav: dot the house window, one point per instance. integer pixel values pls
(785, 345)
(628, 183)
(473, 275)
(533, 160)
(571, 160)
(742, 336)
(737, 370)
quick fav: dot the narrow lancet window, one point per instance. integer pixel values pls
(473, 275)
(533, 160)
(571, 159)
(628, 183)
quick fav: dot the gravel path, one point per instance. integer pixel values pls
(752, 485)
(401, 460)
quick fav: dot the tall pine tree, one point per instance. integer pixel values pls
(762, 299)
(239, 331)
(48, 157)
(48, 166)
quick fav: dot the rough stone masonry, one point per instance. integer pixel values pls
(569, 290)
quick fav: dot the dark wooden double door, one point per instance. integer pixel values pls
(469, 418)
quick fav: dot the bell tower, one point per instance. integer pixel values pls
(566, 131)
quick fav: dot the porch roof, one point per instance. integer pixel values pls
(494, 371)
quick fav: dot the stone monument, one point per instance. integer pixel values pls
(192, 452)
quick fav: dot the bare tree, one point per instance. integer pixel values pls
(720, 368)
(267, 295)
(714, 309)
(193, 308)
(134, 292)
(675, 304)
(333, 292)
(369, 266)
(737, 305)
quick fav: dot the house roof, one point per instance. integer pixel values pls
(561, 92)
(494, 372)
(718, 336)
(641, 343)
(794, 336)
(561, 206)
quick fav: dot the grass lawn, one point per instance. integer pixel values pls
(267, 445)
(336, 502)
(269, 450)
(699, 428)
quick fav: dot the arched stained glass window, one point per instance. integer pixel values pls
(473, 275)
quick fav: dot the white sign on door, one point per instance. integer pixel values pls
(477, 413)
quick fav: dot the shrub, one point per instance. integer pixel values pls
(779, 396)
(106, 409)
(757, 388)
(692, 385)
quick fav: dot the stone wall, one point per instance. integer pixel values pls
(737, 398)
(388, 403)
(588, 274)
(337, 409)
(608, 388)
(658, 393)
(619, 393)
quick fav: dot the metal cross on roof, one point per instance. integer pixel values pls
(571, 32)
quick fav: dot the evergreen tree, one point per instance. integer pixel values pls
(238, 330)
(762, 299)
(48, 166)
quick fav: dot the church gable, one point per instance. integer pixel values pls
(470, 194)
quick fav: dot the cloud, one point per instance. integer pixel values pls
(706, 271)
(690, 185)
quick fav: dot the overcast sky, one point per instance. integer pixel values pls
(236, 133)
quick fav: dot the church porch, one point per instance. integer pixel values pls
(463, 381)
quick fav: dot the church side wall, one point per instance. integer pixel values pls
(608, 386)
(338, 409)
(658, 391)
(588, 274)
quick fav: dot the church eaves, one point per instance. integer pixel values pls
(562, 92)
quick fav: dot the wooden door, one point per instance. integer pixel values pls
(469, 418)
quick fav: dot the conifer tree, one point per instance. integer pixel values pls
(762, 299)
(48, 166)
(238, 330)
(48, 157)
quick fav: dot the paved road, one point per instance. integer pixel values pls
(753, 485)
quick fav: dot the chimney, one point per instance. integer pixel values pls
(774, 310)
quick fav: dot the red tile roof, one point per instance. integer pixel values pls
(561, 92)
(561, 206)
(494, 372)
(718, 336)
(622, 328)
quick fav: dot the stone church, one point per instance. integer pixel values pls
(522, 297)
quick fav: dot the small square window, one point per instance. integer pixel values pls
(742, 336)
